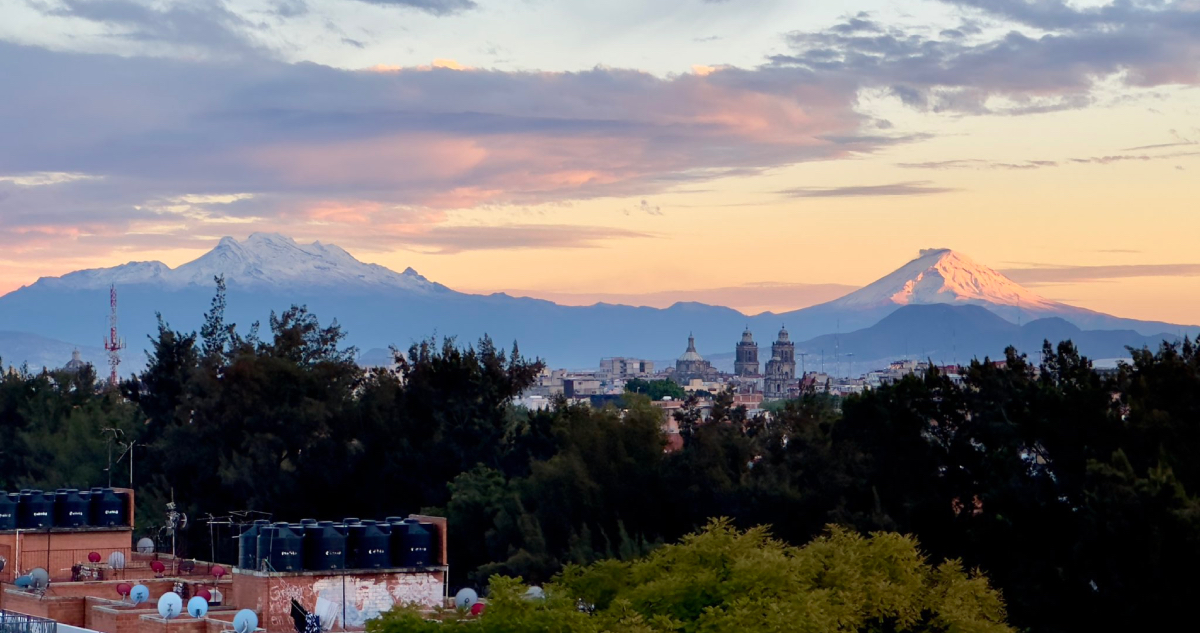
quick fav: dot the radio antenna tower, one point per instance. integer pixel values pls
(113, 343)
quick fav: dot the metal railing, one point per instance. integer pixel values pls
(65, 565)
(20, 623)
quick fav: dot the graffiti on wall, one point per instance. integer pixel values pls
(350, 600)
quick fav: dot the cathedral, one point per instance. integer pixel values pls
(781, 369)
(745, 364)
(692, 365)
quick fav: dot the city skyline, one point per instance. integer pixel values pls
(752, 154)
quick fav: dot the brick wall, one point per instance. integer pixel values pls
(155, 624)
(68, 610)
(355, 598)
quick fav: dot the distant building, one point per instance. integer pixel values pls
(76, 364)
(746, 363)
(581, 387)
(692, 365)
(614, 369)
(781, 369)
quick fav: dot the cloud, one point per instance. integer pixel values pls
(448, 240)
(435, 7)
(147, 129)
(1038, 275)
(1055, 66)
(915, 188)
(979, 163)
(187, 29)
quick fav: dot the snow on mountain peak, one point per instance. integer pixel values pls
(941, 275)
(262, 259)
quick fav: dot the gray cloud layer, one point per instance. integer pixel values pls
(915, 188)
(1075, 274)
(1147, 43)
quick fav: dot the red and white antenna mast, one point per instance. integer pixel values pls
(113, 343)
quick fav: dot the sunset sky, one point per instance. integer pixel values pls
(763, 154)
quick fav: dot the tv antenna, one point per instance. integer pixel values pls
(113, 433)
(113, 343)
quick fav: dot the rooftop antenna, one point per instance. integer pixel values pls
(850, 355)
(113, 433)
(114, 343)
(802, 370)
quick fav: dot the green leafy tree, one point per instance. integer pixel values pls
(656, 389)
(722, 579)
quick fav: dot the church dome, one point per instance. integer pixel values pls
(783, 334)
(691, 353)
(747, 337)
(76, 363)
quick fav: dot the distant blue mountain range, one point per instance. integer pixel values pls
(973, 311)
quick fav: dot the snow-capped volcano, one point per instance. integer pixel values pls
(945, 276)
(263, 259)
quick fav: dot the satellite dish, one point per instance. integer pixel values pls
(197, 607)
(245, 621)
(116, 560)
(93, 557)
(157, 566)
(139, 594)
(535, 593)
(187, 566)
(465, 598)
(218, 571)
(204, 593)
(3, 562)
(41, 578)
(182, 521)
(145, 546)
(170, 605)
(123, 589)
(478, 608)
(23, 582)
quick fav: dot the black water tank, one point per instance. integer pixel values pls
(8, 511)
(415, 541)
(279, 548)
(107, 509)
(70, 509)
(366, 546)
(35, 510)
(324, 547)
(123, 497)
(248, 545)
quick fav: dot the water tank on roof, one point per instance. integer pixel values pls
(248, 545)
(415, 542)
(279, 548)
(8, 511)
(71, 510)
(324, 547)
(369, 547)
(107, 509)
(35, 510)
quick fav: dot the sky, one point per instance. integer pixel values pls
(760, 154)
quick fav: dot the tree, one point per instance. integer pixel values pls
(656, 389)
(722, 579)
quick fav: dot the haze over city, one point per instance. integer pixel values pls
(759, 154)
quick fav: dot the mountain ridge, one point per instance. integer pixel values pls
(379, 307)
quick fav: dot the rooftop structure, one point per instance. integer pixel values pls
(345, 573)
